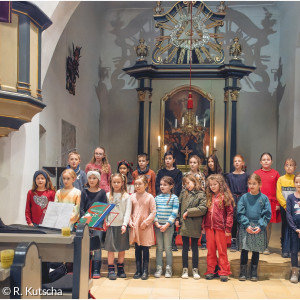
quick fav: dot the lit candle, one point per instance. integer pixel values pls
(204, 122)
(182, 120)
(196, 120)
(159, 141)
(215, 142)
(175, 123)
(207, 151)
(165, 148)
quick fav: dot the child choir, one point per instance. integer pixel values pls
(224, 209)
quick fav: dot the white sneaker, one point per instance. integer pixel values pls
(168, 273)
(185, 273)
(158, 272)
(196, 273)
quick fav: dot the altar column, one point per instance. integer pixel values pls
(232, 90)
(144, 130)
(233, 95)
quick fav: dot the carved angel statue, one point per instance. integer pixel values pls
(235, 49)
(142, 50)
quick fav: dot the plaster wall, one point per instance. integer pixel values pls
(288, 94)
(81, 110)
(18, 153)
(257, 27)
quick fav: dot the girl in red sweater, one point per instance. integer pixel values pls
(217, 224)
(269, 179)
(38, 197)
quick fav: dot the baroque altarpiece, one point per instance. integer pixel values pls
(188, 94)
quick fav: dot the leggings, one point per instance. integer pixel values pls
(141, 253)
(185, 249)
(294, 259)
(254, 259)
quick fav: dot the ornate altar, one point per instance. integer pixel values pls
(185, 92)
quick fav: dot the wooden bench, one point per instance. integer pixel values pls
(57, 248)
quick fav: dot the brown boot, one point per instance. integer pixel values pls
(295, 274)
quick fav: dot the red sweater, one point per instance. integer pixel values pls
(36, 205)
(269, 185)
(217, 217)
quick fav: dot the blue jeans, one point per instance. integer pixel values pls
(97, 253)
(164, 242)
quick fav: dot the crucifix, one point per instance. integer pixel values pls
(186, 152)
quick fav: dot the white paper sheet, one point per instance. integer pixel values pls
(58, 215)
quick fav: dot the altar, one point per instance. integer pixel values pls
(188, 95)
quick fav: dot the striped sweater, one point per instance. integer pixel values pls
(166, 212)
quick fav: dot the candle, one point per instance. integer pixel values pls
(165, 148)
(175, 123)
(207, 151)
(204, 122)
(215, 142)
(159, 141)
(182, 120)
(196, 120)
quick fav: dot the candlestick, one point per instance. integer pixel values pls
(182, 120)
(196, 120)
(175, 123)
(215, 142)
(159, 141)
(207, 151)
(165, 148)
(204, 122)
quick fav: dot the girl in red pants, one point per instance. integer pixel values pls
(218, 223)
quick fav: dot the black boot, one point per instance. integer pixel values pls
(121, 272)
(111, 272)
(253, 275)
(243, 273)
(145, 270)
(96, 266)
(138, 273)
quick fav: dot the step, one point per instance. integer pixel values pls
(271, 266)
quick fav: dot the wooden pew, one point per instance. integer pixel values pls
(24, 273)
(57, 248)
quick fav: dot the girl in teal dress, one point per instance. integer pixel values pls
(253, 215)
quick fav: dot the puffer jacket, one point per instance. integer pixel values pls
(219, 217)
(194, 203)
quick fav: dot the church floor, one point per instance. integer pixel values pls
(177, 288)
(274, 272)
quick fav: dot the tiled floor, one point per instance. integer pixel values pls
(177, 288)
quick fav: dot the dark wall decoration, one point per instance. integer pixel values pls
(72, 70)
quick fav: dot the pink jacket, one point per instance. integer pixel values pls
(141, 219)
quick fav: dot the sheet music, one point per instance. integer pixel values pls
(58, 215)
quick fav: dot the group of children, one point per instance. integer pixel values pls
(235, 209)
